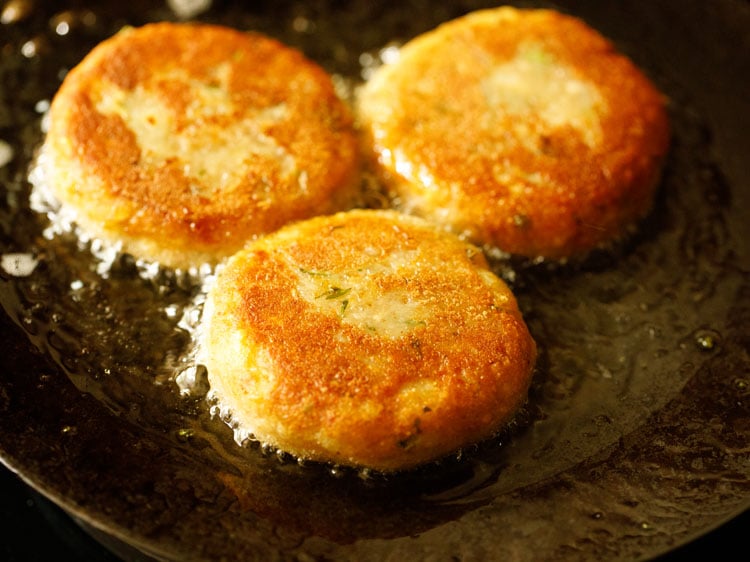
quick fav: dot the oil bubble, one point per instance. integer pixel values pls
(193, 381)
(69, 430)
(184, 435)
(16, 11)
(18, 264)
(707, 340)
(6, 153)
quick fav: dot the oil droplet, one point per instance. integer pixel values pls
(185, 435)
(337, 471)
(6, 153)
(193, 381)
(42, 106)
(282, 456)
(301, 24)
(16, 11)
(69, 430)
(18, 264)
(266, 449)
(390, 54)
(707, 340)
(187, 9)
(30, 48)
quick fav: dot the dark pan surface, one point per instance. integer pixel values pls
(635, 439)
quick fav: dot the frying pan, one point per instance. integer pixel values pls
(635, 437)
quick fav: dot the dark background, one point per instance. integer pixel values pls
(34, 530)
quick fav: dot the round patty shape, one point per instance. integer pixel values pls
(183, 141)
(365, 338)
(520, 129)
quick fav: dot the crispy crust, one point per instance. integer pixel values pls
(186, 140)
(366, 338)
(544, 173)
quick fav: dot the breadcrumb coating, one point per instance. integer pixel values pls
(523, 130)
(184, 141)
(365, 338)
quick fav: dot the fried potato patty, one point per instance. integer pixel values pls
(365, 338)
(183, 141)
(520, 129)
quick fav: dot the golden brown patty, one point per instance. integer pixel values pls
(184, 141)
(522, 129)
(366, 338)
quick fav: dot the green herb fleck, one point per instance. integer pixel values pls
(334, 293)
(535, 54)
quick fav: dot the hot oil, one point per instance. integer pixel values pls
(619, 335)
